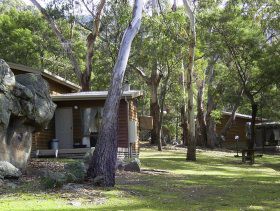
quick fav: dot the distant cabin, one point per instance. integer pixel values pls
(238, 128)
(67, 123)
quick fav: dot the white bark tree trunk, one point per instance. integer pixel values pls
(191, 153)
(210, 122)
(102, 165)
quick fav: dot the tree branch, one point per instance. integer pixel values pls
(140, 72)
(64, 43)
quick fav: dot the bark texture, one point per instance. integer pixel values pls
(183, 110)
(211, 105)
(191, 153)
(202, 130)
(153, 82)
(155, 108)
(103, 162)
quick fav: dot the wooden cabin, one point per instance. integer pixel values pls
(238, 128)
(268, 136)
(70, 116)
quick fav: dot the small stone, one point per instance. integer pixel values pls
(120, 164)
(133, 166)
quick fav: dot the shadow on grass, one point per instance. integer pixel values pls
(211, 183)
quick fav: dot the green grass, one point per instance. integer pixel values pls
(217, 181)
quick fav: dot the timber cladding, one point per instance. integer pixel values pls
(41, 139)
(238, 128)
(133, 116)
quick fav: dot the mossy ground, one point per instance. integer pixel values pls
(217, 181)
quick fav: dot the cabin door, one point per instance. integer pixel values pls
(64, 127)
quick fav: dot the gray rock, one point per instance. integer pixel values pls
(25, 107)
(120, 164)
(7, 170)
(134, 165)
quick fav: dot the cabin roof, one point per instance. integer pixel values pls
(94, 95)
(268, 125)
(243, 116)
(45, 73)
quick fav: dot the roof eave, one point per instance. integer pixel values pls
(57, 98)
(45, 73)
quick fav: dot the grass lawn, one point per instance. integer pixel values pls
(217, 181)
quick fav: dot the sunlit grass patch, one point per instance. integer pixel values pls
(217, 181)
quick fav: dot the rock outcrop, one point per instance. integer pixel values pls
(25, 107)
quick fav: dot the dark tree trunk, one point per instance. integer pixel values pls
(211, 132)
(202, 130)
(184, 125)
(210, 122)
(155, 107)
(103, 162)
(155, 133)
(252, 140)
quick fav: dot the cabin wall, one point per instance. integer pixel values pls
(133, 116)
(238, 129)
(122, 136)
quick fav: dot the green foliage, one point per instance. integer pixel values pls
(53, 180)
(75, 170)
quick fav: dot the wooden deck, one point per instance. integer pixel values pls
(77, 153)
(61, 153)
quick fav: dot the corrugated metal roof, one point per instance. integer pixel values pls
(268, 125)
(94, 95)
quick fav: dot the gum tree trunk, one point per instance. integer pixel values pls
(191, 153)
(103, 162)
(202, 132)
(210, 122)
(155, 109)
(184, 118)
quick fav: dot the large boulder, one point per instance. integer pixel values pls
(8, 171)
(25, 107)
